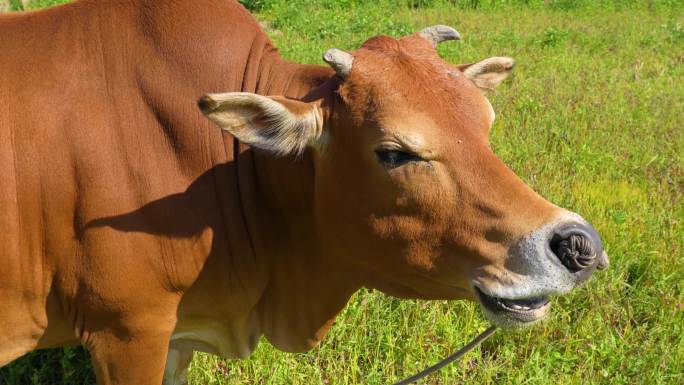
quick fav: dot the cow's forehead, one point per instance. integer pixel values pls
(398, 77)
(410, 58)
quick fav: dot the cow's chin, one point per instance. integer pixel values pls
(512, 313)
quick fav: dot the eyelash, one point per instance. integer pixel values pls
(395, 158)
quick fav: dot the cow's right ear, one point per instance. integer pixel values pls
(275, 124)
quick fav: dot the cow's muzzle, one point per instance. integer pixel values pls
(552, 260)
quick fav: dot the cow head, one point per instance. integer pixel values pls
(406, 184)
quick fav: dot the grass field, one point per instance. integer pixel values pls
(593, 119)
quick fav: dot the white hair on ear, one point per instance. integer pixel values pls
(263, 122)
(489, 73)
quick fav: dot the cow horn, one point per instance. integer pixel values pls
(340, 61)
(439, 33)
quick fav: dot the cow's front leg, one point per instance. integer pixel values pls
(131, 357)
(177, 362)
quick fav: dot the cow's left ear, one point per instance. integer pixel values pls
(275, 124)
(489, 73)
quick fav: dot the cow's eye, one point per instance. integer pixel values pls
(391, 158)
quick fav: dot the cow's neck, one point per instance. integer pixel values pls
(285, 286)
(306, 288)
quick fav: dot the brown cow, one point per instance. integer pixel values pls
(130, 224)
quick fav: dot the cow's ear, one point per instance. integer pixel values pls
(275, 124)
(489, 73)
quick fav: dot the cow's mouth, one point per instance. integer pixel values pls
(513, 311)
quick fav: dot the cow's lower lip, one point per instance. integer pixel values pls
(522, 310)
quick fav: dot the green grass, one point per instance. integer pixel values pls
(593, 119)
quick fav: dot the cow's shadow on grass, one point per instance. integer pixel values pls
(70, 365)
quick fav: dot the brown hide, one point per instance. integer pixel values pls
(118, 196)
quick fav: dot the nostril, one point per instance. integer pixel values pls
(575, 251)
(578, 247)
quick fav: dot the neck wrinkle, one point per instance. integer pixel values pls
(305, 288)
